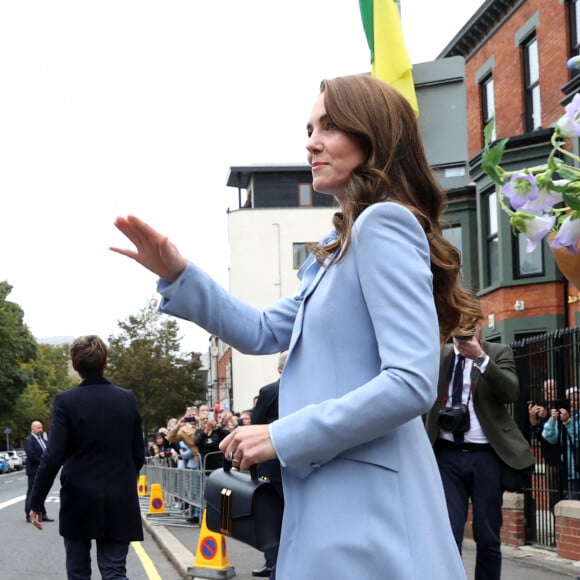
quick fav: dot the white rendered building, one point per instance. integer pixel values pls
(268, 236)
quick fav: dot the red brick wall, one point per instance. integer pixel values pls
(553, 45)
(513, 528)
(539, 300)
(568, 538)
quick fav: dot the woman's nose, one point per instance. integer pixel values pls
(313, 144)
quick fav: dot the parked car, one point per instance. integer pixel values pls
(13, 454)
(5, 466)
(22, 455)
(14, 460)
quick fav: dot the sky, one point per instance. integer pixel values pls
(140, 107)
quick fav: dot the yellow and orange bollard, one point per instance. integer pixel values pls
(211, 557)
(142, 489)
(156, 501)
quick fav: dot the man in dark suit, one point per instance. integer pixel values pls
(34, 446)
(96, 436)
(265, 411)
(478, 378)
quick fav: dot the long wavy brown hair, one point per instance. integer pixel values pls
(395, 169)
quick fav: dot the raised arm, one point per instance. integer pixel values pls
(153, 250)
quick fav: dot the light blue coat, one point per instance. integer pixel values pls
(363, 497)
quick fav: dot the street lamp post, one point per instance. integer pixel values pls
(7, 432)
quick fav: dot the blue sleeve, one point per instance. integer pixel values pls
(550, 432)
(185, 450)
(196, 297)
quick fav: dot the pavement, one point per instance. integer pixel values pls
(178, 540)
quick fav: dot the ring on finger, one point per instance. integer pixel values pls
(231, 456)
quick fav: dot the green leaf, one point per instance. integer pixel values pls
(487, 132)
(566, 172)
(490, 161)
(572, 201)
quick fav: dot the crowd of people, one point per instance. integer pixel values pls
(193, 440)
(555, 425)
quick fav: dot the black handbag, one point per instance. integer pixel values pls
(243, 506)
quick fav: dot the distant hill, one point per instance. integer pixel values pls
(56, 340)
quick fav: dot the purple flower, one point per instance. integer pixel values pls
(568, 234)
(521, 188)
(569, 124)
(535, 228)
(544, 203)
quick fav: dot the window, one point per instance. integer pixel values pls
(304, 194)
(300, 252)
(488, 103)
(491, 239)
(527, 264)
(454, 235)
(532, 84)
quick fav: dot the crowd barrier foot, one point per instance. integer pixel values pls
(211, 557)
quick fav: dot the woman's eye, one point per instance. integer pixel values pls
(330, 126)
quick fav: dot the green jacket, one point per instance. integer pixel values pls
(491, 391)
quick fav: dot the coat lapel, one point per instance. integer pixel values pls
(297, 330)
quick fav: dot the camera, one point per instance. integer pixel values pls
(454, 419)
(463, 337)
(190, 419)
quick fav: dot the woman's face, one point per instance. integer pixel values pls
(332, 154)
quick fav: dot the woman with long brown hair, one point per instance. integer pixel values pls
(363, 499)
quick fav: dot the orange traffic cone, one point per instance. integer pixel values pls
(142, 489)
(156, 502)
(211, 558)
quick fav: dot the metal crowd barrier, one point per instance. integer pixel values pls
(183, 488)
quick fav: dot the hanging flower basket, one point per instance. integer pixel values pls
(568, 264)
(544, 201)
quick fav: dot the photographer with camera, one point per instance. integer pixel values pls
(554, 468)
(563, 428)
(184, 430)
(182, 433)
(207, 439)
(473, 435)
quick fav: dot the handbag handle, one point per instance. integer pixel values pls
(228, 467)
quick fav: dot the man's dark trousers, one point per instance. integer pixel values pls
(475, 474)
(111, 559)
(28, 491)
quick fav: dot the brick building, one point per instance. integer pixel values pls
(515, 64)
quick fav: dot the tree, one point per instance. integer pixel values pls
(51, 375)
(145, 358)
(17, 347)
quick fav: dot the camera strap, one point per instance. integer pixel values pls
(459, 386)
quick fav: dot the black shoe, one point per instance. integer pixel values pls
(28, 519)
(47, 520)
(193, 520)
(263, 572)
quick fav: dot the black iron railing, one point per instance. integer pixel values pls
(549, 371)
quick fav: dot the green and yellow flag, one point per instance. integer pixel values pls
(382, 25)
